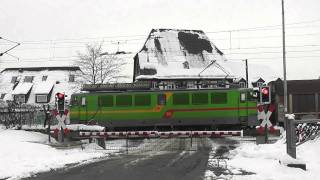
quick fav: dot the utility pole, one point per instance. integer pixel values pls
(118, 43)
(285, 98)
(247, 77)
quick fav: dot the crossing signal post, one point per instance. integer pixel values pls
(60, 113)
(265, 95)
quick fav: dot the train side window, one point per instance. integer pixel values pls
(106, 101)
(219, 98)
(124, 100)
(83, 101)
(199, 98)
(142, 100)
(162, 99)
(243, 97)
(180, 98)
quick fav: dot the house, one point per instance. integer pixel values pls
(174, 58)
(241, 82)
(37, 85)
(258, 83)
(303, 98)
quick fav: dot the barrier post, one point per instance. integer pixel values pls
(290, 136)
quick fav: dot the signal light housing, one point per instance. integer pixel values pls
(265, 95)
(60, 101)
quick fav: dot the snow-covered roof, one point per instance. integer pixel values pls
(177, 53)
(43, 88)
(22, 88)
(56, 81)
(43, 68)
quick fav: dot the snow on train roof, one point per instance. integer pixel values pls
(180, 53)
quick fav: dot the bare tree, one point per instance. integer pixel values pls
(98, 67)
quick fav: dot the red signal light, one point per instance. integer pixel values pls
(60, 95)
(265, 91)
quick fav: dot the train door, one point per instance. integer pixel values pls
(75, 108)
(243, 108)
(83, 110)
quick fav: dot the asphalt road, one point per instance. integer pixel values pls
(161, 165)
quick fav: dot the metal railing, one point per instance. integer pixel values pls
(299, 132)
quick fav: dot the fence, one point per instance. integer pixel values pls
(22, 115)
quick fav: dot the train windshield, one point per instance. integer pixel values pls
(252, 96)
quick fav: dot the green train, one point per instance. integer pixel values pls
(165, 108)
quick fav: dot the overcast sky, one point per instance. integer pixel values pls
(51, 32)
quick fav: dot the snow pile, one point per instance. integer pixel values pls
(83, 127)
(263, 160)
(23, 154)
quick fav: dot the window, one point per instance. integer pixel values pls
(83, 101)
(14, 79)
(28, 78)
(124, 100)
(242, 84)
(243, 97)
(2, 95)
(71, 78)
(180, 98)
(44, 78)
(21, 98)
(170, 85)
(259, 84)
(200, 98)
(142, 100)
(190, 85)
(41, 98)
(162, 99)
(106, 101)
(219, 98)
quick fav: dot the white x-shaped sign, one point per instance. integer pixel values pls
(265, 118)
(61, 121)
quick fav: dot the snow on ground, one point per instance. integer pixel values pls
(263, 160)
(23, 154)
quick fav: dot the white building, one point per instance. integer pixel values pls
(38, 85)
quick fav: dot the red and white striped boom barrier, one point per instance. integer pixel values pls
(157, 134)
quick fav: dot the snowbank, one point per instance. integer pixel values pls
(264, 161)
(23, 154)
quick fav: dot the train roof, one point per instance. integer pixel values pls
(166, 90)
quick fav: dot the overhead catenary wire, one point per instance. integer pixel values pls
(132, 40)
(120, 37)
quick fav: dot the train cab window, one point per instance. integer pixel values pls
(219, 98)
(199, 98)
(74, 100)
(252, 96)
(180, 98)
(142, 100)
(105, 101)
(124, 100)
(162, 99)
